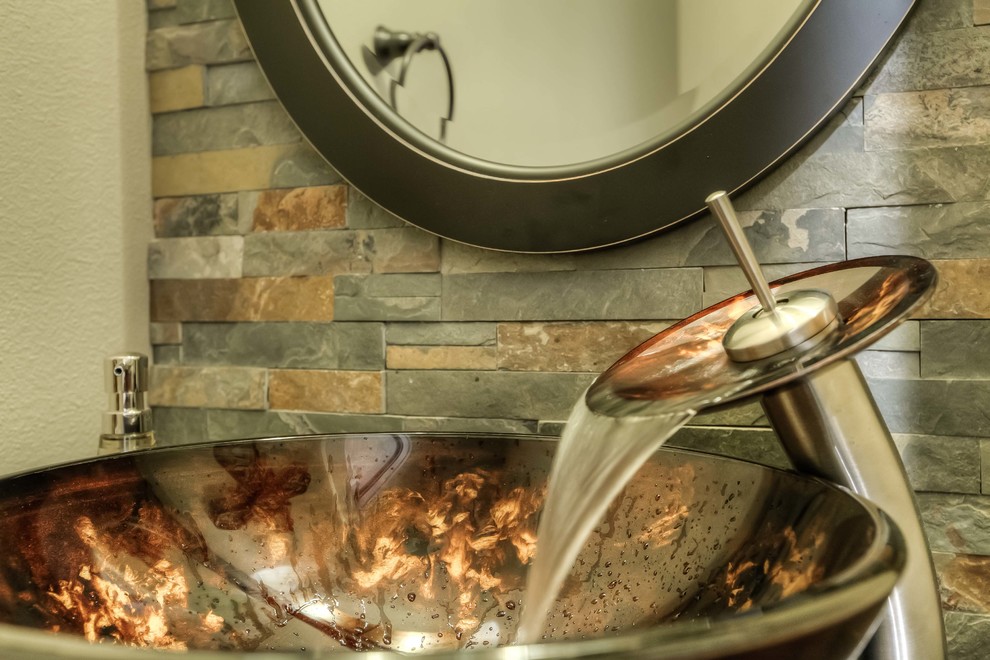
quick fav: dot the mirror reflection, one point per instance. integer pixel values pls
(558, 82)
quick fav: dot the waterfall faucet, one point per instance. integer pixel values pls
(792, 349)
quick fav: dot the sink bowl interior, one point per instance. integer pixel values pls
(421, 543)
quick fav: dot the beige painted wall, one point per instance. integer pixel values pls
(74, 217)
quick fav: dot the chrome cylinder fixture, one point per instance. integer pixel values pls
(793, 349)
(127, 424)
(831, 428)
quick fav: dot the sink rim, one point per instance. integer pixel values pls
(864, 584)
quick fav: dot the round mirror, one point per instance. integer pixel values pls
(556, 82)
(561, 125)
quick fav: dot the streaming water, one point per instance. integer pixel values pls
(596, 457)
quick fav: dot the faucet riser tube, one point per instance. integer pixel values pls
(830, 426)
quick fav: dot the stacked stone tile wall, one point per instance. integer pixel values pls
(285, 302)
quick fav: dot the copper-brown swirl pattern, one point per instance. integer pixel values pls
(420, 543)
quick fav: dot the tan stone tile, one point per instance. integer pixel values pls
(249, 299)
(579, 346)
(208, 387)
(326, 391)
(403, 250)
(319, 207)
(964, 582)
(962, 291)
(177, 89)
(165, 333)
(228, 170)
(440, 357)
(981, 12)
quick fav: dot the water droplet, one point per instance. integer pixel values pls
(411, 596)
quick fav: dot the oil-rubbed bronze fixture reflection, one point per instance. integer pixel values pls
(390, 45)
(264, 546)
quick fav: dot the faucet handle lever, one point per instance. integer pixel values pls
(720, 206)
(776, 326)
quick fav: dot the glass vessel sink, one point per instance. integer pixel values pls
(421, 543)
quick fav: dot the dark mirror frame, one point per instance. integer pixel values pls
(577, 207)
